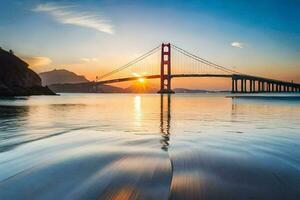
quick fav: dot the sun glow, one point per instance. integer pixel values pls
(140, 77)
(136, 74)
(141, 80)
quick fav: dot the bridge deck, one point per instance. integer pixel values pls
(158, 76)
(234, 76)
(237, 76)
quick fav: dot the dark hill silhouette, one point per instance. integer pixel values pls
(16, 79)
(61, 76)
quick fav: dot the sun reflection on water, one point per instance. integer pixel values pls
(138, 111)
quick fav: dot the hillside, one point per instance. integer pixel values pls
(61, 76)
(16, 79)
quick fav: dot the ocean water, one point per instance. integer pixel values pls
(131, 146)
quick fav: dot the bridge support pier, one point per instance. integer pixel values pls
(242, 85)
(280, 87)
(272, 87)
(232, 85)
(165, 66)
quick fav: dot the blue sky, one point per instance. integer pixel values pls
(91, 37)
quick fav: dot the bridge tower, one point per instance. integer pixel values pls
(165, 69)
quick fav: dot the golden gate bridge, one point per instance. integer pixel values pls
(168, 61)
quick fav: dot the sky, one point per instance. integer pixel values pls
(93, 37)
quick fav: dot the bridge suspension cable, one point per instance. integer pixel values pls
(204, 61)
(146, 65)
(142, 57)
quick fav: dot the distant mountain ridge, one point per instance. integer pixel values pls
(185, 90)
(85, 88)
(61, 76)
(134, 88)
(16, 79)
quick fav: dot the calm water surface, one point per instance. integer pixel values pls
(127, 146)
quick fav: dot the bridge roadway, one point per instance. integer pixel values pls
(239, 82)
(158, 76)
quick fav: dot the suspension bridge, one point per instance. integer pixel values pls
(168, 61)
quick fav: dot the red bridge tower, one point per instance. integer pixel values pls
(165, 69)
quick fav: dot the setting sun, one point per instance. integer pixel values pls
(141, 80)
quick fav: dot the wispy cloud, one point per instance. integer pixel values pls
(66, 14)
(37, 61)
(237, 45)
(89, 59)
